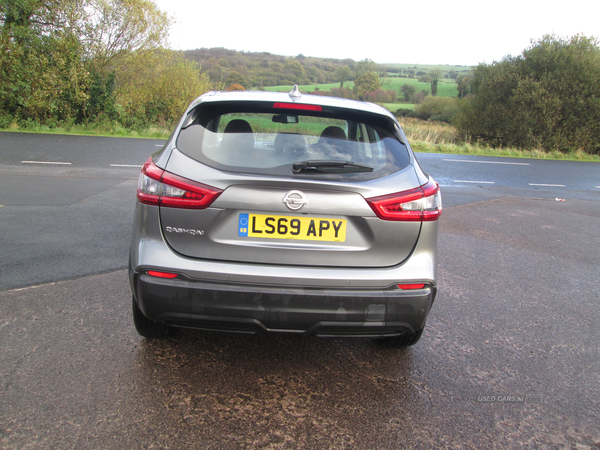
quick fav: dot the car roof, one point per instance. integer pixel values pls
(294, 97)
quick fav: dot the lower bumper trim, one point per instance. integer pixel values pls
(251, 309)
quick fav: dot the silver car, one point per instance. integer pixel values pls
(286, 213)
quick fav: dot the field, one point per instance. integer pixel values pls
(428, 67)
(446, 88)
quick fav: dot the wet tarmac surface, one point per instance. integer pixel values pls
(509, 359)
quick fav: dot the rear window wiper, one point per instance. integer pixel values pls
(329, 167)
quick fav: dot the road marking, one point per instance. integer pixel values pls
(478, 182)
(45, 162)
(547, 185)
(159, 145)
(126, 165)
(489, 162)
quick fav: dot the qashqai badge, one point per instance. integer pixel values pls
(295, 200)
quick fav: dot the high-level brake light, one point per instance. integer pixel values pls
(161, 188)
(298, 106)
(422, 204)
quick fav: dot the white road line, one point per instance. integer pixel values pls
(478, 182)
(159, 145)
(489, 162)
(46, 162)
(126, 165)
(547, 185)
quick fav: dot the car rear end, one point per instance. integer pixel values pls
(287, 213)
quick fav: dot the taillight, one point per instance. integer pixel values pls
(416, 205)
(161, 188)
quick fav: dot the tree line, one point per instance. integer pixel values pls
(80, 61)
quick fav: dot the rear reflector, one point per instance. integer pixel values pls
(420, 204)
(154, 273)
(411, 286)
(161, 188)
(298, 106)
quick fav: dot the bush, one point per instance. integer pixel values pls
(5, 120)
(377, 96)
(434, 109)
(546, 98)
(342, 92)
(418, 97)
(441, 109)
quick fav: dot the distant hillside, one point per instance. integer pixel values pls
(262, 69)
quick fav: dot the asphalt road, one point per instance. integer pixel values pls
(510, 357)
(68, 200)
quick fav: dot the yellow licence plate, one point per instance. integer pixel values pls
(285, 227)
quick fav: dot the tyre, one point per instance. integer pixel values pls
(146, 327)
(404, 340)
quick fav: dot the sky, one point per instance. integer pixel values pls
(453, 32)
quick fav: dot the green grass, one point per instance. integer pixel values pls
(446, 88)
(393, 107)
(106, 129)
(428, 67)
(477, 150)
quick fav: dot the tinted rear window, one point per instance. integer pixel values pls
(256, 138)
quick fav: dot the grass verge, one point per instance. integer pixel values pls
(438, 137)
(426, 137)
(103, 129)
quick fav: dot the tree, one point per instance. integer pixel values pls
(61, 59)
(408, 91)
(235, 78)
(114, 30)
(161, 95)
(434, 76)
(464, 85)
(295, 70)
(342, 74)
(366, 66)
(42, 74)
(368, 82)
(546, 98)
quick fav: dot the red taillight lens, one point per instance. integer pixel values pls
(420, 204)
(161, 188)
(154, 273)
(298, 106)
(412, 286)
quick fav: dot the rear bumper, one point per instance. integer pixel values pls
(249, 308)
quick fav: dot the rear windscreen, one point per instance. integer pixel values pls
(260, 139)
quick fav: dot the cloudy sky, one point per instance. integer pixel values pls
(459, 32)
